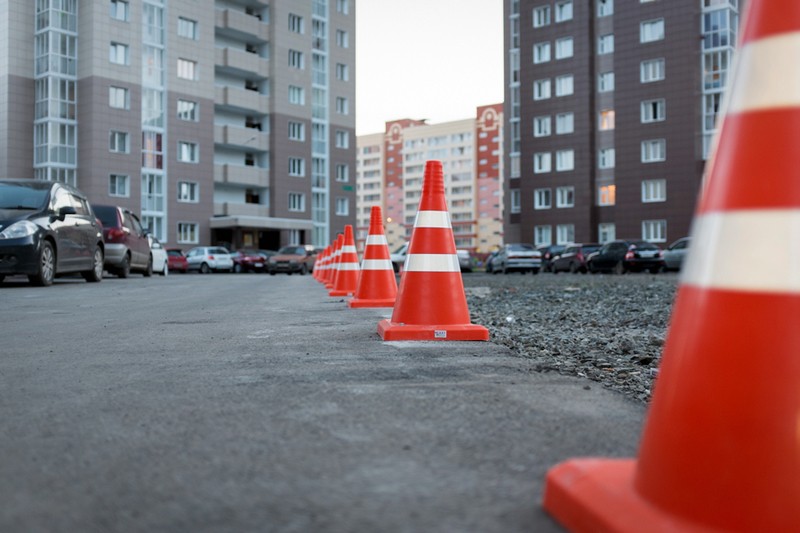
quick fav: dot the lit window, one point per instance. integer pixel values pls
(607, 195)
(654, 191)
(651, 30)
(606, 119)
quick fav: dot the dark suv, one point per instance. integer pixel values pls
(626, 256)
(127, 247)
(573, 258)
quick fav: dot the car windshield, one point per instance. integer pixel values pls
(292, 250)
(21, 196)
(107, 215)
(520, 247)
(642, 245)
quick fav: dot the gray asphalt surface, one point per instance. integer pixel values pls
(258, 403)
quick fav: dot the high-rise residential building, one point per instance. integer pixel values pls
(228, 122)
(610, 109)
(391, 168)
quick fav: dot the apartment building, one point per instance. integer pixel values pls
(610, 110)
(391, 169)
(224, 122)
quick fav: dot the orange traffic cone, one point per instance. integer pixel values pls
(347, 269)
(333, 269)
(431, 304)
(321, 264)
(720, 445)
(377, 286)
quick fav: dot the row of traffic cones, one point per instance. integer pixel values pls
(431, 303)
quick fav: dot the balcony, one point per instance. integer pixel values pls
(242, 138)
(230, 209)
(240, 25)
(241, 175)
(241, 63)
(241, 100)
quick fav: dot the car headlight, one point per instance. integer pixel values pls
(17, 230)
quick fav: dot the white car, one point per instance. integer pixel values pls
(207, 259)
(159, 255)
(398, 257)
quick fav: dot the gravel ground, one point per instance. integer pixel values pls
(608, 329)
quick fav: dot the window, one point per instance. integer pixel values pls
(606, 119)
(516, 201)
(606, 158)
(564, 48)
(651, 30)
(296, 59)
(119, 185)
(564, 85)
(654, 191)
(654, 150)
(343, 173)
(342, 72)
(343, 7)
(654, 230)
(541, 199)
(563, 11)
(342, 39)
(188, 191)
(541, 52)
(342, 206)
(541, 162)
(606, 232)
(542, 235)
(118, 98)
(187, 69)
(541, 126)
(187, 28)
(187, 110)
(565, 123)
(605, 44)
(652, 70)
(296, 23)
(653, 110)
(297, 95)
(565, 160)
(297, 167)
(606, 195)
(188, 152)
(119, 10)
(187, 233)
(541, 89)
(565, 233)
(541, 16)
(297, 131)
(118, 142)
(342, 105)
(565, 197)
(118, 53)
(605, 82)
(342, 139)
(605, 8)
(297, 201)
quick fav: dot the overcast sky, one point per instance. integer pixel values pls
(426, 59)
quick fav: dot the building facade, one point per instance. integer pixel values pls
(610, 110)
(224, 122)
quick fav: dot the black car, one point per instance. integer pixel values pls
(550, 252)
(626, 256)
(48, 229)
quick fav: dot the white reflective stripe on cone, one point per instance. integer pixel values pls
(348, 249)
(376, 264)
(735, 250)
(348, 266)
(432, 219)
(432, 263)
(376, 239)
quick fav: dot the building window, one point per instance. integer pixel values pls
(343, 173)
(564, 48)
(565, 233)
(541, 52)
(541, 126)
(606, 158)
(606, 119)
(715, 69)
(118, 98)
(342, 139)
(297, 95)
(541, 16)
(516, 201)
(565, 123)
(605, 44)
(188, 191)
(651, 30)
(118, 142)
(342, 72)
(187, 69)
(297, 131)
(563, 11)
(542, 235)
(605, 8)
(343, 7)
(654, 191)
(605, 82)
(541, 162)
(652, 70)
(297, 167)
(118, 53)
(119, 185)
(342, 39)
(296, 59)
(565, 197)
(296, 23)
(654, 150)
(607, 195)
(297, 202)
(606, 232)
(188, 152)
(654, 230)
(565, 85)
(565, 160)
(187, 233)
(187, 28)
(119, 10)
(541, 89)
(342, 105)
(541, 199)
(187, 110)
(342, 207)
(653, 110)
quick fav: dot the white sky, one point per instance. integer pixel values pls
(426, 59)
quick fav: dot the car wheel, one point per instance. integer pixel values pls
(2, 278)
(535, 271)
(165, 269)
(148, 270)
(573, 268)
(271, 273)
(553, 269)
(592, 269)
(124, 270)
(303, 270)
(96, 273)
(619, 268)
(237, 268)
(47, 266)
(204, 269)
(655, 270)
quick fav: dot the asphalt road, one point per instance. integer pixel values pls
(257, 403)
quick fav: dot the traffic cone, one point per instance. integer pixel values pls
(347, 269)
(719, 451)
(377, 286)
(321, 265)
(431, 303)
(330, 280)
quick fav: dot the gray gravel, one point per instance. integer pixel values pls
(608, 329)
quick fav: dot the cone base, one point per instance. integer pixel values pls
(371, 302)
(340, 292)
(597, 495)
(392, 331)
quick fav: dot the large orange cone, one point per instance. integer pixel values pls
(377, 286)
(330, 280)
(721, 445)
(347, 267)
(431, 304)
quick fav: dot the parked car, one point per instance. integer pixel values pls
(573, 258)
(626, 256)
(207, 259)
(159, 255)
(251, 260)
(48, 229)
(488, 265)
(176, 260)
(464, 260)
(398, 257)
(127, 246)
(675, 254)
(549, 252)
(521, 257)
(297, 258)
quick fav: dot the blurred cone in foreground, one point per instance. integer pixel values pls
(720, 445)
(377, 286)
(431, 303)
(347, 269)
(333, 269)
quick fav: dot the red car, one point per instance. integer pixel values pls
(250, 260)
(176, 260)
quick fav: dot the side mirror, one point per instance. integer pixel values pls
(66, 210)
